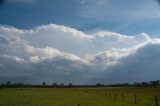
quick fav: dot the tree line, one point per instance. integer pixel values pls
(9, 84)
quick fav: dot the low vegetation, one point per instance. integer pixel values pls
(94, 96)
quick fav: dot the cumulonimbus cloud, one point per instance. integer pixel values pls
(59, 53)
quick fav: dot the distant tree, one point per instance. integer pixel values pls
(154, 83)
(99, 84)
(137, 84)
(144, 84)
(124, 84)
(70, 84)
(44, 84)
(54, 84)
(2, 85)
(61, 85)
(8, 83)
(158, 82)
(18, 85)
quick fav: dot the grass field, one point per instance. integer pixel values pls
(75, 96)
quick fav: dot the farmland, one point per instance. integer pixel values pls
(74, 96)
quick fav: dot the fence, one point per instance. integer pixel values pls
(135, 98)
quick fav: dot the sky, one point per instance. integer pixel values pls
(122, 16)
(79, 41)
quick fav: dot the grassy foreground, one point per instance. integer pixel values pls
(75, 96)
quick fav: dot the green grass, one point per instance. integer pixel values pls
(74, 96)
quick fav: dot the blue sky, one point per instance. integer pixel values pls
(122, 16)
(79, 41)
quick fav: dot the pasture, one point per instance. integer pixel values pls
(82, 96)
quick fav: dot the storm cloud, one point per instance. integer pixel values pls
(56, 53)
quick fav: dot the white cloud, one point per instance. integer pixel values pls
(116, 54)
(71, 40)
(15, 58)
(34, 59)
(43, 52)
(59, 53)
